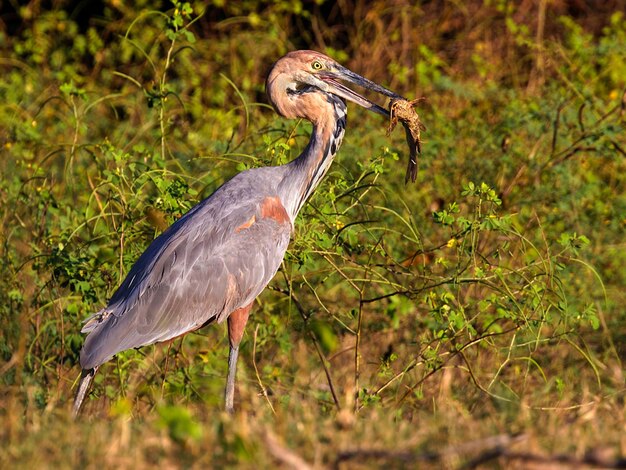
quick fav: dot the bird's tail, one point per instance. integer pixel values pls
(86, 377)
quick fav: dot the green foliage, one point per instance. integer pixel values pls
(179, 423)
(494, 285)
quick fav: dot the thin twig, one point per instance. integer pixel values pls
(452, 354)
(581, 122)
(305, 319)
(555, 128)
(256, 371)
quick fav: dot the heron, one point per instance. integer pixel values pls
(213, 262)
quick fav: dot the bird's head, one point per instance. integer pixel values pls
(300, 81)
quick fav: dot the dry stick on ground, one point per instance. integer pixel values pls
(402, 110)
(589, 460)
(486, 445)
(491, 448)
(283, 454)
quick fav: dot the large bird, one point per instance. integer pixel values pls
(214, 261)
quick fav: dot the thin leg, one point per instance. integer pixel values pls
(86, 377)
(236, 325)
(229, 393)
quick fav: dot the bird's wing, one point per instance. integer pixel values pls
(215, 259)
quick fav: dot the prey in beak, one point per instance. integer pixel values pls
(400, 109)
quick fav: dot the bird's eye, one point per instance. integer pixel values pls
(317, 65)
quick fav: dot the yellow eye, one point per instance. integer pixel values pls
(317, 65)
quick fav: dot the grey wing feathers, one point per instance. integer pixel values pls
(200, 269)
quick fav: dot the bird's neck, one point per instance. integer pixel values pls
(305, 172)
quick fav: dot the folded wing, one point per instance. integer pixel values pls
(217, 258)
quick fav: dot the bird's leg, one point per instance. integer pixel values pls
(86, 376)
(236, 324)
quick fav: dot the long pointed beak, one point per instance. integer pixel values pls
(337, 88)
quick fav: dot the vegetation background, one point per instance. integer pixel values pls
(475, 315)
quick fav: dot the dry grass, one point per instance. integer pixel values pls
(453, 426)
